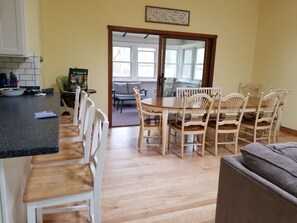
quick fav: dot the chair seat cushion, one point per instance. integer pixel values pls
(275, 163)
(152, 121)
(66, 119)
(177, 126)
(222, 127)
(67, 151)
(251, 122)
(68, 131)
(57, 181)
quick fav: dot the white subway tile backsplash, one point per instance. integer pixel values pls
(11, 65)
(30, 71)
(30, 83)
(22, 83)
(18, 59)
(5, 59)
(29, 59)
(37, 72)
(25, 65)
(26, 69)
(26, 77)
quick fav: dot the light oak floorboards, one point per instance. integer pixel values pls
(146, 187)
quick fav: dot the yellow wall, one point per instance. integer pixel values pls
(32, 24)
(74, 33)
(276, 52)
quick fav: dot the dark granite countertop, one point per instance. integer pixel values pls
(23, 135)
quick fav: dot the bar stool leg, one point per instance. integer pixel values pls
(31, 214)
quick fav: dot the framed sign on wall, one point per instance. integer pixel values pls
(167, 15)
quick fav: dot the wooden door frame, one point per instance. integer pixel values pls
(211, 41)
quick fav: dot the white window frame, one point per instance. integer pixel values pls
(134, 61)
(124, 62)
(177, 66)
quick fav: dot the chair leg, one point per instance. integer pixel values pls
(182, 146)
(216, 143)
(91, 209)
(31, 217)
(140, 140)
(39, 215)
(236, 142)
(148, 133)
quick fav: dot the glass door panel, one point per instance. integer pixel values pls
(182, 64)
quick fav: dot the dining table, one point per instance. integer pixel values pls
(173, 105)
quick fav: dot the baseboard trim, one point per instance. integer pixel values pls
(288, 131)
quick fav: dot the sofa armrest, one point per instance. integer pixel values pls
(143, 91)
(244, 196)
(113, 93)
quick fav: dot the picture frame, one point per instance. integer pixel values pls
(77, 77)
(167, 16)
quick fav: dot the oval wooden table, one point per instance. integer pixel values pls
(168, 105)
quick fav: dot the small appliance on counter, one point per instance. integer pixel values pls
(8, 80)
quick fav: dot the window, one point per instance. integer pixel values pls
(198, 73)
(187, 64)
(121, 61)
(146, 62)
(134, 61)
(171, 63)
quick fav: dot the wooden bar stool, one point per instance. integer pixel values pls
(72, 119)
(49, 186)
(72, 132)
(77, 151)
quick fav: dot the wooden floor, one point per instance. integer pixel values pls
(147, 187)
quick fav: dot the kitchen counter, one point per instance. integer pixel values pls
(22, 136)
(21, 133)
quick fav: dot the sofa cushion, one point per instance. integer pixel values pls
(272, 163)
(287, 149)
(120, 88)
(133, 85)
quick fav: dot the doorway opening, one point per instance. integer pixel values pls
(156, 61)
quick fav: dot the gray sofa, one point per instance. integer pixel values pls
(259, 186)
(123, 92)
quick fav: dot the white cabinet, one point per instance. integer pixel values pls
(12, 28)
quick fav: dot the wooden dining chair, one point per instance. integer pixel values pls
(72, 151)
(150, 127)
(230, 111)
(192, 121)
(279, 114)
(72, 132)
(260, 127)
(251, 89)
(72, 119)
(49, 186)
(187, 92)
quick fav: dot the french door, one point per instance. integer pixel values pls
(194, 68)
(183, 62)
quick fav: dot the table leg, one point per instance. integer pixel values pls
(164, 130)
(122, 106)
